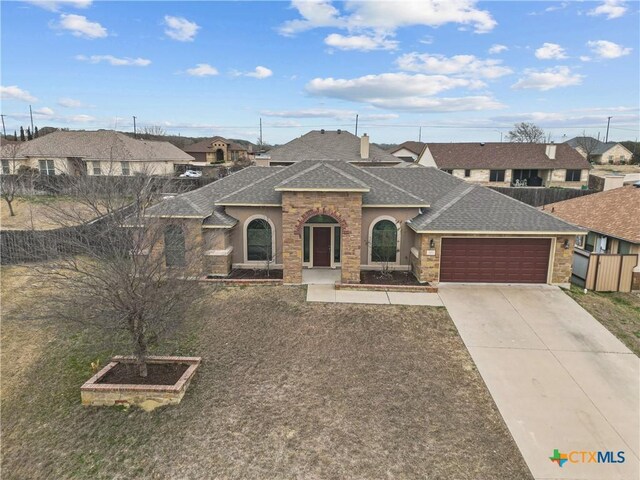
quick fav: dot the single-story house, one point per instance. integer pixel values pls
(332, 214)
(408, 151)
(612, 219)
(329, 145)
(219, 150)
(509, 164)
(102, 152)
(601, 153)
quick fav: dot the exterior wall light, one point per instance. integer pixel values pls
(432, 243)
(566, 244)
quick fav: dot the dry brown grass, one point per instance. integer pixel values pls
(618, 312)
(287, 389)
(42, 213)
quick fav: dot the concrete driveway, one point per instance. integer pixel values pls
(559, 378)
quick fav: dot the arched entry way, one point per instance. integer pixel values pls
(219, 156)
(322, 242)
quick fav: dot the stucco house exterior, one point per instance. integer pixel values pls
(509, 164)
(102, 152)
(329, 144)
(601, 153)
(330, 214)
(612, 219)
(218, 150)
(408, 151)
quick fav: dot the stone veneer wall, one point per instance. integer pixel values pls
(346, 207)
(427, 267)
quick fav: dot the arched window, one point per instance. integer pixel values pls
(174, 248)
(259, 240)
(384, 242)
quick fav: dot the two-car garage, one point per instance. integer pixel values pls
(495, 260)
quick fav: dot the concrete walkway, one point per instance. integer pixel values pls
(559, 378)
(328, 294)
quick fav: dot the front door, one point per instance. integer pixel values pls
(321, 246)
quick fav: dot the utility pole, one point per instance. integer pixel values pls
(261, 133)
(606, 139)
(356, 124)
(31, 115)
(4, 132)
(135, 131)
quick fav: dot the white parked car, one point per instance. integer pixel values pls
(191, 174)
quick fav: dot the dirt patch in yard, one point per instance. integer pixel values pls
(286, 389)
(43, 212)
(157, 374)
(618, 312)
(250, 274)
(372, 277)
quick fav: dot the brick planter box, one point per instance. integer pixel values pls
(386, 288)
(244, 282)
(147, 397)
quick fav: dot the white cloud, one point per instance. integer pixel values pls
(260, 72)
(79, 26)
(115, 61)
(606, 49)
(181, 29)
(401, 91)
(55, 5)
(44, 111)
(70, 103)
(461, 65)
(202, 70)
(82, 118)
(15, 93)
(497, 48)
(360, 42)
(571, 118)
(310, 113)
(387, 16)
(548, 79)
(585, 58)
(610, 8)
(550, 51)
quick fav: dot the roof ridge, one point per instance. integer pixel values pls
(451, 202)
(364, 170)
(345, 174)
(251, 185)
(296, 175)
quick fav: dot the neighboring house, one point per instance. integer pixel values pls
(319, 145)
(509, 164)
(334, 215)
(102, 152)
(600, 152)
(219, 150)
(612, 219)
(408, 151)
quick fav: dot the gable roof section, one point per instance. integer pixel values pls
(603, 148)
(615, 212)
(204, 146)
(472, 208)
(330, 145)
(104, 145)
(504, 156)
(322, 176)
(414, 147)
(579, 141)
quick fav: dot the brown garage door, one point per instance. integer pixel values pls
(496, 260)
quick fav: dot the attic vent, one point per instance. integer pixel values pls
(322, 131)
(339, 131)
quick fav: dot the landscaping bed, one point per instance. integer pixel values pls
(249, 274)
(286, 389)
(394, 277)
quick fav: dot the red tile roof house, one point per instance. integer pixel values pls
(612, 219)
(326, 213)
(510, 164)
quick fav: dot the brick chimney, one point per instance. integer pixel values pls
(364, 147)
(550, 151)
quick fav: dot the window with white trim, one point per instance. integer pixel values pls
(259, 240)
(384, 242)
(97, 169)
(126, 168)
(6, 168)
(47, 167)
(174, 246)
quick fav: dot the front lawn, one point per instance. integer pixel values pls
(287, 389)
(618, 312)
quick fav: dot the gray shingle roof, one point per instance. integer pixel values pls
(106, 145)
(472, 208)
(323, 176)
(329, 145)
(219, 218)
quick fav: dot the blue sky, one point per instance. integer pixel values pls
(461, 70)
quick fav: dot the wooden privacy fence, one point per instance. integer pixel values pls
(604, 272)
(538, 196)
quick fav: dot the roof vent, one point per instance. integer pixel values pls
(322, 131)
(339, 131)
(482, 144)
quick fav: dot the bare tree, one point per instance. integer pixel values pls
(129, 269)
(526, 133)
(588, 145)
(16, 176)
(154, 130)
